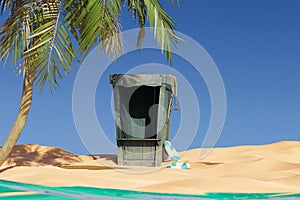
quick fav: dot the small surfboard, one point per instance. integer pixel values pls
(171, 151)
(177, 165)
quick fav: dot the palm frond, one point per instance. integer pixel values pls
(13, 34)
(51, 51)
(72, 9)
(163, 25)
(4, 5)
(35, 31)
(99, 24)
(173, 2)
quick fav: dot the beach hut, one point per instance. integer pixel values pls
(142, 104)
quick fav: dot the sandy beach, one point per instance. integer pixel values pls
(242, 169)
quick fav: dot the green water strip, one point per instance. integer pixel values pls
(78, 192)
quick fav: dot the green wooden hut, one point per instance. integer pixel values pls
(142, 105)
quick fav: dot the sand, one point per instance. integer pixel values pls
(247, 169)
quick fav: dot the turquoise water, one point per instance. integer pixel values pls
(43, 192)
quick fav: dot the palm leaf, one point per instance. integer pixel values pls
(163, 25)
(13, 34)
(99, 24)
(51, 50)
(4, 5)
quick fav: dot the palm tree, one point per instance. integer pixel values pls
(39, 36)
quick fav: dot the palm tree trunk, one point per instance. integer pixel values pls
(21, 118)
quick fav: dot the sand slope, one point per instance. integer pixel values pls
(36, 155)
(266, 168)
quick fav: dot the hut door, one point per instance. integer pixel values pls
(143, 110)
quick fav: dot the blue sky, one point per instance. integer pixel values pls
(256, 46)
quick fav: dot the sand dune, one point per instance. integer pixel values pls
(36, 155)
(265, 168)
